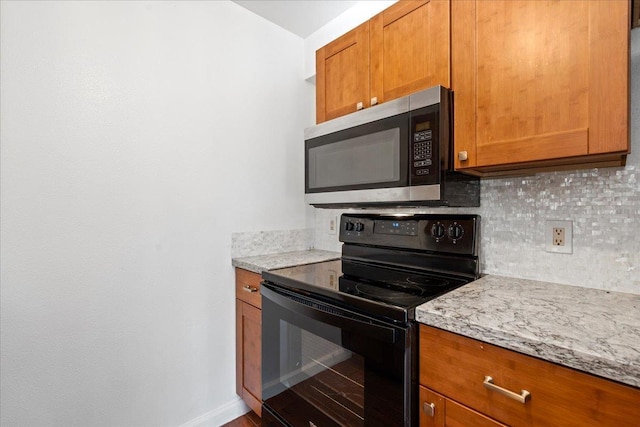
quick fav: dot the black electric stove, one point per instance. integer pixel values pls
(391, 264)
(339, 340)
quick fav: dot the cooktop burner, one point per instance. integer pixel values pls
(405, 292)
(427, 281)
(389, 290)
(389, 293)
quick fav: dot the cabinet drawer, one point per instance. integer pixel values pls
(438, 411)
(457, 367)
(248, 287)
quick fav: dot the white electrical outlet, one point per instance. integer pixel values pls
(333, 279)
(558, 237)
(333, 225)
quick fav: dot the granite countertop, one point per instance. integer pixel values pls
(592, 330)
(260, 263)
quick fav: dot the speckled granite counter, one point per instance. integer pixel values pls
(260, 263)
(591, 330)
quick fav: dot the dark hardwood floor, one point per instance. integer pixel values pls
(249, 419)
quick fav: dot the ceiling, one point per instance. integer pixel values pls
(301, 17)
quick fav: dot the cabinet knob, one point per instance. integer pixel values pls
(374, 100)
(429, 409)
(462, 156)
(359, 106)
(249, 289)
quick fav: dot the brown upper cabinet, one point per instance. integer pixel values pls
(401, 50)
(539, 85)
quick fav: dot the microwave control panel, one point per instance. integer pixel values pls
(425, 166)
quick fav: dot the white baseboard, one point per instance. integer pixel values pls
(220, 416)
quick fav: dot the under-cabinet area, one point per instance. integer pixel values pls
(466, 382)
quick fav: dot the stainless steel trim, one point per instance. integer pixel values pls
(424, 192)
(522, 397)
(425, 98)
(376, 195)
(417, 100)
(381, 111)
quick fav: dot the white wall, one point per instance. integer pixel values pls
(604, 205)
(136, 136)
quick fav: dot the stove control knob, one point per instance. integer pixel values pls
(437, 230)
(359, 226)
(348, 226)
(455, 231)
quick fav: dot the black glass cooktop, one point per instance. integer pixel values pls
(390, 263)
(381, 291)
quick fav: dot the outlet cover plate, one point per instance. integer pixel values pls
(332, 225)
(568, 237)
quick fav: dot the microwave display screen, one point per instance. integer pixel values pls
(423, 126)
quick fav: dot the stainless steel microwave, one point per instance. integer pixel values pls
(398, 153)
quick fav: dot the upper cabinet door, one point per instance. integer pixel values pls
(342, 75)
(538, 81)
(401, 50)
(410, 48)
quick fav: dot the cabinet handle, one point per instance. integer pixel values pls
(522, 397)
(248, 288)
(429, 409)
(462, 156)
(374, 100)
(359, 106)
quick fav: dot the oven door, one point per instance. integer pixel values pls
(326, 366)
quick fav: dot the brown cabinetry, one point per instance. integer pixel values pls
(540, 84)
(438, 411)
(342, 75)
(401, 50)
(248, 339)
(469, 380)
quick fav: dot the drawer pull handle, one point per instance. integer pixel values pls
(522, 397)
(248, 288)
(429, 409)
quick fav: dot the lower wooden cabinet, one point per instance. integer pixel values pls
(472, 383)
(438, 411)
(249, 339)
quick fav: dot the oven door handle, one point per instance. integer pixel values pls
(335, 316)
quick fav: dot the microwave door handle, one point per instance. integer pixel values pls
(379, 332)
(447, 132)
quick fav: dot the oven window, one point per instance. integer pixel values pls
(315, 373)
(323, 374)
(367, 159)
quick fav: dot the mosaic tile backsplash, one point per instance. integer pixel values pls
(604, 205)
